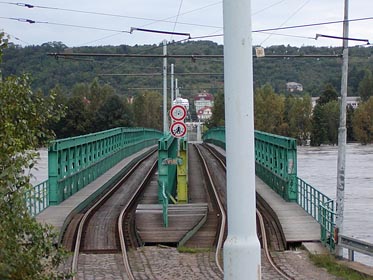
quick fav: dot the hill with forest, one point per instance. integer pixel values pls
(129, 76)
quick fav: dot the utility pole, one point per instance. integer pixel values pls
(172, 84)
(165, 120)
(177, 89)
(242, 247)
(342, 135)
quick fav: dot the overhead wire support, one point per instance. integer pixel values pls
(342, 38)
(189, 56)
(159, 31)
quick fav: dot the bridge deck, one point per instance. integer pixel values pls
(57, 215)
(297, 224)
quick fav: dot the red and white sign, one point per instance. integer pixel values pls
(178, 129)
(178, 112)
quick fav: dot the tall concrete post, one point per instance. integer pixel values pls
(342, 135)
(242, 247)
(165, 120)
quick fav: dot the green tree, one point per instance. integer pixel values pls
(113, 113)
(269, 110)
(147, 109)
(325, 122)
(218, 117)
(329, 94)
(26, 247)
(363, 122)
(365, 88)
(298, 117)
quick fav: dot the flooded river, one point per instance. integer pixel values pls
(318, 167)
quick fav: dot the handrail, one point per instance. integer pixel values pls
(327, 224)
(353, 244)
(37, 198)
(310, 199)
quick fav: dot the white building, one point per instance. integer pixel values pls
(353, 101)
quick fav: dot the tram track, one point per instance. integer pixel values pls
(269, 229)
(123, 209)
(103, 230)
(222, 211)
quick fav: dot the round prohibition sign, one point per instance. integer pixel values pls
(178, 112)
(178, 129)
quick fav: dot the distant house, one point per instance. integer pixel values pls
(293, 86)
(204, 102)
(204, 113)
(353, 101)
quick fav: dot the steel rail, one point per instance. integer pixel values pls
(219, 245)
(121, 218)
(218, 156)
(74, 266)
(265, 247)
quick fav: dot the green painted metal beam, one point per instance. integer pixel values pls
(75, 162)
(182, 172)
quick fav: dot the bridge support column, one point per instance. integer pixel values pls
(242, 248)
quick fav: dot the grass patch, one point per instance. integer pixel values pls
(330, 263)
(189, 250)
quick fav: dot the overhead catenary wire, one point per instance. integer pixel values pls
(30, 6)
(200, 37)
(31, 21)
(292, 15)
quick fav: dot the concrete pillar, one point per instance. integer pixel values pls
(242, 247)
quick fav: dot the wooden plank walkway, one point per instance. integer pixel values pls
(297, 224)
(59, 215)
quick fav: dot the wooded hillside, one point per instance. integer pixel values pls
(312, 73)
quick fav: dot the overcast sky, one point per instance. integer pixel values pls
(196, 17)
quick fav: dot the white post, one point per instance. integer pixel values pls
(177, 89)
(172, 84)
(165, 120)
(342, 135)
(242, 247)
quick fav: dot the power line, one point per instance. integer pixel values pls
(311, 24)
(30, 6)
(292, 15)
(160, 74)
(177, 16)
(63, 24)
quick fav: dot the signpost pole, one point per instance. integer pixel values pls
(172, 84)
(165, 121)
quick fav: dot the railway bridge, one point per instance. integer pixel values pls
(167, 196)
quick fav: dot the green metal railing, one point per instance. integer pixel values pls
(327, 224)
(321, 208)
(75, 162)
(275, 160)
(310, 199)
(37, 198)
